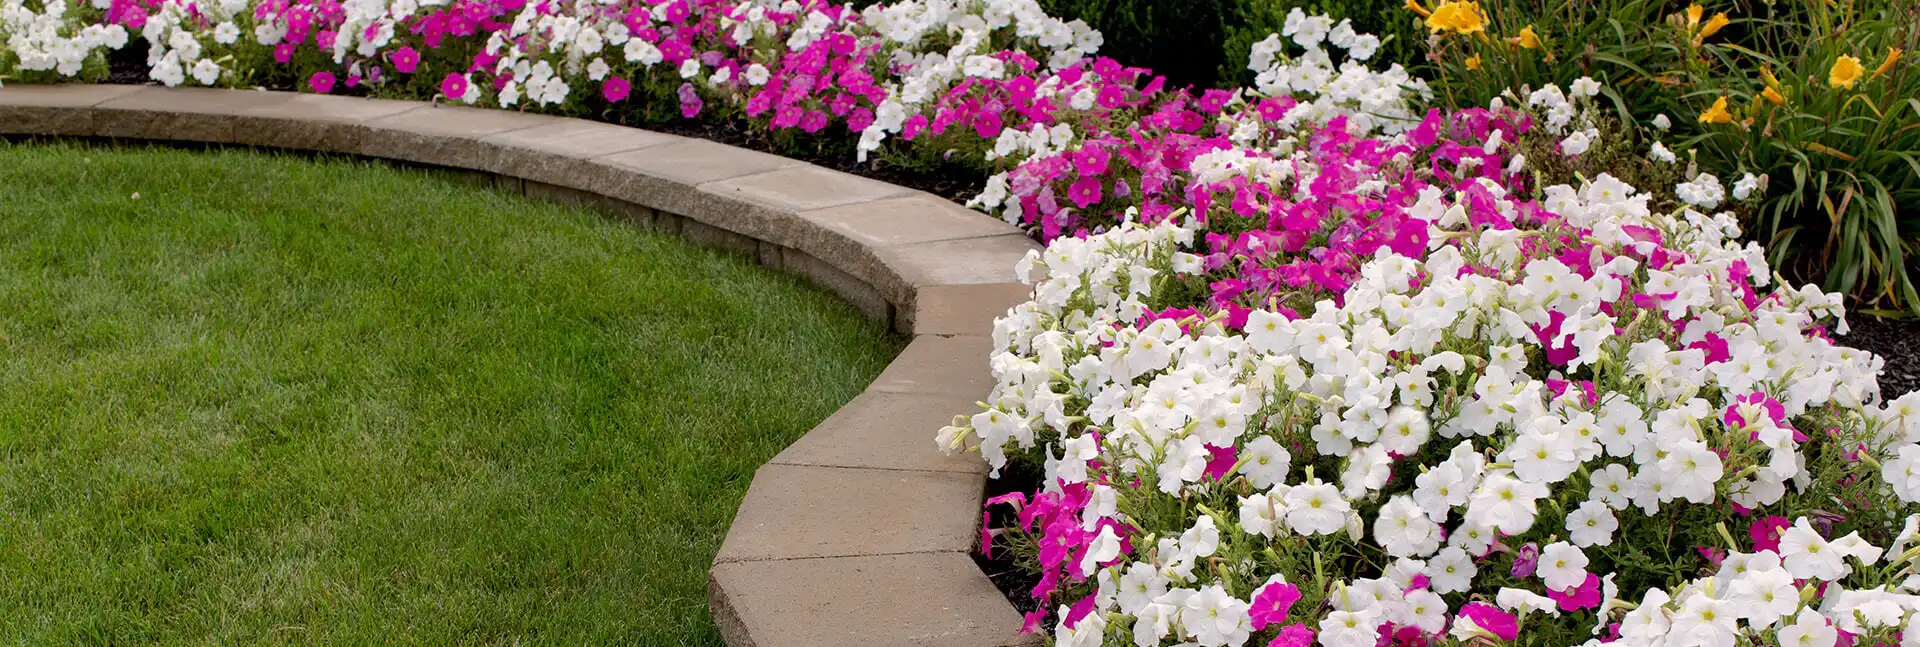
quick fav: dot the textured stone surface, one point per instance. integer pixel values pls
(934, 364)
(970, 261)
(960, 309)
(801, 511)
(318, 122)
(557, 152)
(447, 135)
(711, 236)
(181, 114)
(855, 290)
(905, 220)
(887, 431)
(857, 235)
(54, 109)
(920, 600)
(667, 177)
(802, 188)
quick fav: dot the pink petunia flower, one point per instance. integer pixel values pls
(1085, 191)
(1293, 635)
(1491, 619)
(1585, 596)
(406, 59)
(616, 89)
(321, 82)
(454, 86)
(1271, 604)
(1766, 532)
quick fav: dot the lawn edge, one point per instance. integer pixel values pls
(858, 533)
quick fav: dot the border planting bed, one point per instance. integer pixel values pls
(857, 534)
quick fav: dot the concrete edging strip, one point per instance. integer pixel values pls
(857, 534)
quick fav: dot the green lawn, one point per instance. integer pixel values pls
(256, 399)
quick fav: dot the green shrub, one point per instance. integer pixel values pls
(1181, 40)
(1246, 22)
(1206, 42)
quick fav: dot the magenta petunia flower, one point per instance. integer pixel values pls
(1092, 160)
(454, 86)
(1271, 604)
(1212, 101)
(814, 121)
(1034, 621)
(915, 125)
(1501, 624)
(1085, 191)
(321, 82)
(1766, 532)
(406, 59)
(616, 89)
(1585, 596)
(1222, 461)
(1293, 635)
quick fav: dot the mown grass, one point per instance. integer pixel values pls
(255, 399)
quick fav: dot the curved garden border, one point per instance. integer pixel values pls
(858, 533)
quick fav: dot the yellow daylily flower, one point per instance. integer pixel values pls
(1414, 6)
(1527, 38)
(1473, 62)
(1846, 71)
(1768, 75)
(1773, 95)
(1459, 16)
(1714, 24)
(1693, 15)
(1718, 113)
(1893, 56)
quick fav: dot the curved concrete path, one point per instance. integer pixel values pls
(859, 533)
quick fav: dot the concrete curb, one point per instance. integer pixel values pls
(857, 534)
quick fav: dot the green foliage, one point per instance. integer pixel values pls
(1841, 207)
(1250, 21)
(1206, 42)
(1845, 161)
(1179, 40)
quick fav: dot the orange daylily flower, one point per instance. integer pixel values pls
(1718, 113)
(1893, 56)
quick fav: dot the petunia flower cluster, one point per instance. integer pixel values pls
(1551, 411)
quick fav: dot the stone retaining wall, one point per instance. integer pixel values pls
(858, 534)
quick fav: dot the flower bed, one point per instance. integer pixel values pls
(1305, 362)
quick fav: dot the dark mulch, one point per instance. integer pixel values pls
(1897, 341)
(1007, 575)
